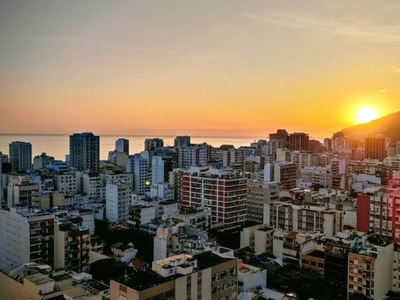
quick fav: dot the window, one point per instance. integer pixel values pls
(123, 288)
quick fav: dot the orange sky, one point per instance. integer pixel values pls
(222, 68)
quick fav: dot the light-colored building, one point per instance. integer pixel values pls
(250, 277)
(282, 172)
(26, 236)
(196, 217)
(66, 182)
(41, 161)
(317, 175)
(40, 282)
(92, 185)
(51, 199)
(22, 190)
(138, 165)
(192, 155)
(71, 244)
(306, 217)
(259, 194)
(258, 237)
(162, 191)
(221, 190)
(117, 201)
(370, 268)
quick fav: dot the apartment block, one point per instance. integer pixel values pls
(118, 195)
(23, 191)
(221, 190)
(284, 173)
(84, 151)
(72, 244)
(192, 155)
(370, 268)
(27, 236)
(307, 217)
(258, 195)
(66, 182)
(20, 156)
(258, 237)
(202, 276)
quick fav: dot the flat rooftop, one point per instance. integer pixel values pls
(316, 253)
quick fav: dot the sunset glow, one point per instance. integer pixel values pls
(219, 68)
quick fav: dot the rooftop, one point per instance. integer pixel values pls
(39, 278)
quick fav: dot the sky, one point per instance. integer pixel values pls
(205, 68)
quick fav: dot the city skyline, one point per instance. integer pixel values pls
(226, 68)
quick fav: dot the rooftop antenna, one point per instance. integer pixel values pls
(126, 277)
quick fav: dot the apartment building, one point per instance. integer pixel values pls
(192, 155)
(22, 190)
(221, 190)
(370, 268)
(20, 156)
(258, 195)
(201, 276)
(307, 217)
(27, 236)
(118, 195)
(66, 182)
(282, 172)
(71, 244)
(84, 151)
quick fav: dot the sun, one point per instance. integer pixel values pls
(365, 115)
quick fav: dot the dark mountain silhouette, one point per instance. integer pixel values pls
(388, 126)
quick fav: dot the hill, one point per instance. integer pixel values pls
(388, 126)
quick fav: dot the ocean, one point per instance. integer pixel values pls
(58, 145)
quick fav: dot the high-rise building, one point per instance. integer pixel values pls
(152, 144)
(370, 268)
(258, 194)
(298, 141)
(375, 147)
(221, 190)
(193, 155)
(138, 165)
(280, 136)
(160, 168)
(122, 145)
(378, 209)
(336, 266)
(117, 201)
(398, 148)
(71, 244)
(282, 172)
(20, 156)
(26, 237)
(84, 151)
(181, 141)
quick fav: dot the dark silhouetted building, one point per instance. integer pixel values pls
(84, 151)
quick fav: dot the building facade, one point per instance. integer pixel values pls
(20, 156)
(84, 151)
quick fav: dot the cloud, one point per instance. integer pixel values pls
(384, 34)
(382, 90)
(83, 42)
(395, 69)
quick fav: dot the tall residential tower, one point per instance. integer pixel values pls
(84, 151)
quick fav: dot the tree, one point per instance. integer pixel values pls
(358, 296)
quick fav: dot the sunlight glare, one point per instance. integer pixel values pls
(365, 115)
